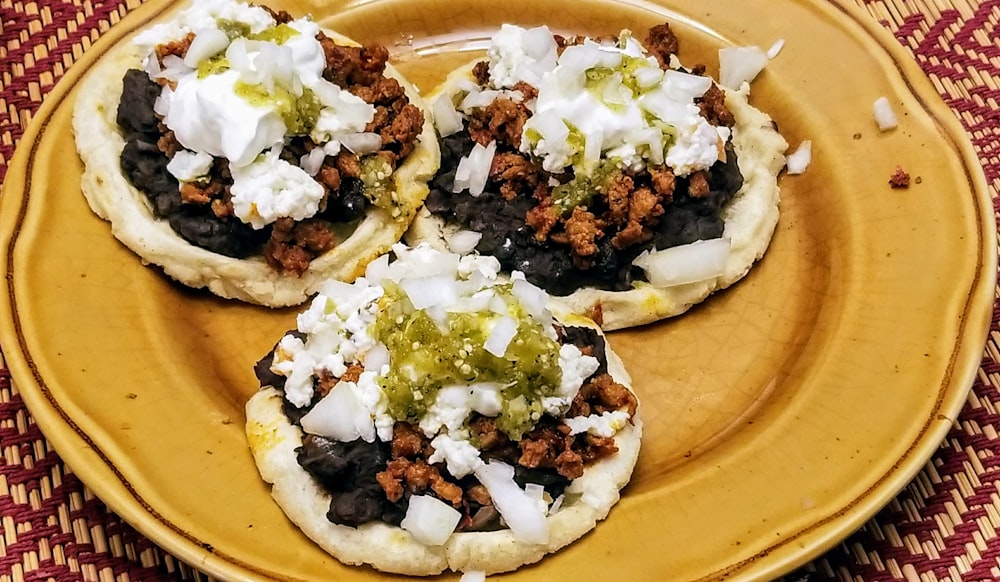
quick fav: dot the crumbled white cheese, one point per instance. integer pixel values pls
(189, 166)
(271, 188)
(576, 367)
(602, 425)
(460, 456)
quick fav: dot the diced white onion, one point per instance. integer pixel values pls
(207, 43)
(473, 576)
(463, 241)
(697, 261)
(313, 161)
(521, 513)
(885, 117)
(474, 170)
(775, 48)
(340, 415)
(503, 331)
(173, 68)
(685, 87)
(429, 520)
(532, 298)
(447, 119)
(740, 64)
(361, 143)
(424, 292)
(377, 270)
(376, 358)
(798, 161)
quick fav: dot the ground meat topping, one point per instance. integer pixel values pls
(899, 178)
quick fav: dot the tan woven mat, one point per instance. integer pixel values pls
(943, 526)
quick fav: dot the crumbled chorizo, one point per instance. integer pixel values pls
(661, 42)
(408, 441)
(485, 431)
(542, 219)
(383, 91)
(167, 143)
(618, 192)
(582, 230)
(348, 65)
(644, 206)
(192, 193)
(569, 464)
(663, 180)
(698, 186)
(633, 233)
(602, 394)
(899, 178)
(177, 48)
(713, 107)
(481, 72)
(293, 245)
(329, 177)
(502, 120)
(349, 165)
(400, 136)
(526, 89)
(597, 447)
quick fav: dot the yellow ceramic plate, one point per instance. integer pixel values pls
(780, 414)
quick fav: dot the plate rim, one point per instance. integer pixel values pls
(83, 456)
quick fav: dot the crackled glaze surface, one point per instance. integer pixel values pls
(779, 415)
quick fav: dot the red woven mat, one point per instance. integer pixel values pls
(943, 526)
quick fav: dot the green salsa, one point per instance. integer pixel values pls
(298, 113)
(427, 357)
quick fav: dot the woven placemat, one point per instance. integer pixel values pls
(943, 526)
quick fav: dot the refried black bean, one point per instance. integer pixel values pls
(507, 237)
(135, 114)
(347, 471)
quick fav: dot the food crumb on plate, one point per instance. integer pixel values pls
(899, 178)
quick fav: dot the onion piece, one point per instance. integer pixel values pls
(532, 298)
(740, 64)
(447, 119)
(502, 332)
(429, 520)
(522, 513)
(207, 43)
(885, 117)
(463, 241)
(473, 576)
(474, 170)
(313, 161)
(798, 161)
(775, 48)
(341, 415)
(697, 261)
(434, 291)
(376, 358)
(361, 143)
